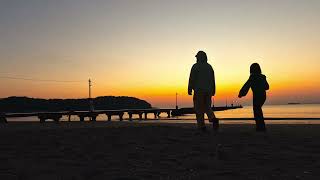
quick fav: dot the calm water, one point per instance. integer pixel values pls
(272, 111)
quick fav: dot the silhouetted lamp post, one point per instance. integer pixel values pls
(176, 100)
(90, 99)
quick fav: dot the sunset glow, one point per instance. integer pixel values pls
(146, 48)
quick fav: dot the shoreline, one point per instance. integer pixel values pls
(175, 121)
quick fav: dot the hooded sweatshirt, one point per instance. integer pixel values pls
(202, 78)
(258, 84)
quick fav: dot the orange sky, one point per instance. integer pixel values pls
(146, 48)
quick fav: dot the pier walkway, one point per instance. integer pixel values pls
(92, 115)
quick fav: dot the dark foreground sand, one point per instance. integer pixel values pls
(114, 150)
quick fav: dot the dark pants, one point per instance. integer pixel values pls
(258, 113)
(202, 105)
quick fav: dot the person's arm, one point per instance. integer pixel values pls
(213, 84)
(245, 88)
(191, 81)
(266, 84)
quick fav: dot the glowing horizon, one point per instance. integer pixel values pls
(146, 49)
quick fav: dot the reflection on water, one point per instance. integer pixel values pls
(272, 111)
(276, 111)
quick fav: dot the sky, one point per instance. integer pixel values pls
(146, 48)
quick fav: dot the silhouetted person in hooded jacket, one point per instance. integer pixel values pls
(258, 84)
(202, 82)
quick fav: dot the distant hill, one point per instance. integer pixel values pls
(26, 104)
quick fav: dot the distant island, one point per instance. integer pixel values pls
(26, 104)
(293, 103)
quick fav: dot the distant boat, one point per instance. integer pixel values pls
(294, 103)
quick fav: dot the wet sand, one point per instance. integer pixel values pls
(122, 150)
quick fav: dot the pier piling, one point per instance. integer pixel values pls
(47, 116)
(3, 118)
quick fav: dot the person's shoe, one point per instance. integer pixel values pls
(261, 129)
(215, 124)
(212, 119)
(200, 131)
(203, 129)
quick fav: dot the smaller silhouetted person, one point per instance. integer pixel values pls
(202, 82)
(258, 84)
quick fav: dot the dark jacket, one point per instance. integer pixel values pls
(202, 79)
(258, 83)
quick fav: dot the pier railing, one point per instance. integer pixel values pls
(92, 115)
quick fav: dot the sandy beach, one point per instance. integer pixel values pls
(122, 150)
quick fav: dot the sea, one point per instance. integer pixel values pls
(270, 111)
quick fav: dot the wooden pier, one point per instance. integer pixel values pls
(92, 115)
(184, 111)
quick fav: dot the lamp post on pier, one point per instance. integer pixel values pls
(90, 98)
(176, 100)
